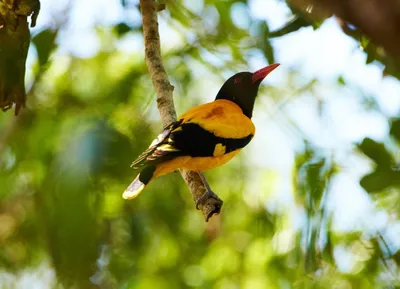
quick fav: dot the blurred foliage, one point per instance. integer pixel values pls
(64, 163)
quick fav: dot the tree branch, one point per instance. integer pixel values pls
(165, 103)
(14, 42)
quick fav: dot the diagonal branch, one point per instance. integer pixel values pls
(165, 102)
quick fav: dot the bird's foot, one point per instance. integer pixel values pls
(209, 194)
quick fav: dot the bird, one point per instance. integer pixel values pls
(206, 136)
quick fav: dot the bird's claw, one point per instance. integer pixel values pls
(207, 195)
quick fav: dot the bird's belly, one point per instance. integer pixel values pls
(208, 163)
(193, 163)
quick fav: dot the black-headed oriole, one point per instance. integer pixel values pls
(206, 136)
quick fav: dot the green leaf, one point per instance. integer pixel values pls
(370, 57)
(121, 29)
(45, 44)
(364, 42)
(298, 22)
(377, 152)
(328, 250)
(316, 181)
(380, 180)
(265, 45)
(341, 80)
(396, 257)
(395, 128)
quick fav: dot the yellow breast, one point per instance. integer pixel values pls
(193, 163)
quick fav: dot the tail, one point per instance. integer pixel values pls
(139, 183)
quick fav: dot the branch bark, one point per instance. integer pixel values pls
(165, 103)
(14, 44)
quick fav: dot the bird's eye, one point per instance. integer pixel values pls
(237, 80)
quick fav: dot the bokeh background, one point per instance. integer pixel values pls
(312, 202)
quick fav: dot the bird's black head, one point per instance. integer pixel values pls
(242, 88)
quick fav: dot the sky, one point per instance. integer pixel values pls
(324, 54)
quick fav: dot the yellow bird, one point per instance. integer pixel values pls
(206, 136)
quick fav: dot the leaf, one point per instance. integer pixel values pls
(311, 260)
(380, 180)
(377, 152)
(121, 29)
(371, 53)
(45, 44)
(328, 250)
(266, 46)
(225, 23)
(298, 22)
(364, 41)
(396, 257)
(263, 224)
(395, 128)
(341, 80)
(316, 181)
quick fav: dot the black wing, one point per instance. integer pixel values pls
(188, 139)
(158, 148)
(195, 141)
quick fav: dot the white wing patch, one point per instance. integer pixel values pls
(158, 147)
(160, 137)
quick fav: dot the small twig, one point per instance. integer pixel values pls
(165, 102)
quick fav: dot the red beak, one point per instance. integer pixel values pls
(263, 72)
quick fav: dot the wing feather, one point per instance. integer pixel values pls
(159, 147)
(151, 153)
(211, 129)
